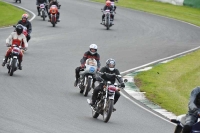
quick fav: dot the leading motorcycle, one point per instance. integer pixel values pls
(105, 99)
(180, 121)
(87, 76)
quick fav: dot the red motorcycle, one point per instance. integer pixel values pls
(53, 13)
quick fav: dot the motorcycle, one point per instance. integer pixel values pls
(107, 23)
(53, 15)
(86, 77)
(43, 11)
(105, 100)
(12, 63)
(17, 0)
(180, 121)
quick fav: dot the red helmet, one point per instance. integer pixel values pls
(108, 3)
(24, 17)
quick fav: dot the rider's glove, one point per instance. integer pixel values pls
(7, 44)
(82, 66)
(122, 85)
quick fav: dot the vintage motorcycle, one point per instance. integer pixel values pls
(105, 99)
(107, 23)
(53, 14)
(180, 121)
(86, 76)
(12, 63)
(43, 11)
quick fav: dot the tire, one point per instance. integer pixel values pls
(178, 129)
(19, 1)
(87, 87)
(108, 110)
(53, 21)
(12, 67)
(107, 24)
(43, 15)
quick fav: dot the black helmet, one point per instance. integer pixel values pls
(19, 29)
(110, 63)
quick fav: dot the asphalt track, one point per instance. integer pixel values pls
(41, 98)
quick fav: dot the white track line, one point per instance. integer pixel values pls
(21, 8)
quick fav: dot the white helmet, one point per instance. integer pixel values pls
(93, 46)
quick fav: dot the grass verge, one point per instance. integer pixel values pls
(184, 13)
(9, 14)
(169, 85)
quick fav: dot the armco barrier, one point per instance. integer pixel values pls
(192, 3)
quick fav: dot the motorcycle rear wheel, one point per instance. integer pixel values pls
(108, 110)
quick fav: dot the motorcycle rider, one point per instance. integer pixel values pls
(38, 2)
(107, 7)
(54, 2)
(194, 110)
(16, 38)
(27, 24)
(114, 5)
(109, 68)
(92, 53)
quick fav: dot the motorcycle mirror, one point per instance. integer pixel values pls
(14, 26)
(125, 80)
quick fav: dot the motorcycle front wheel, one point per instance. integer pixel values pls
(43, 15)
(13, 66)
(87, 87)
(108, 110)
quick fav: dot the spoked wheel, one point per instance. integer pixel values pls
(108, 110)
(12, 67)
(87, 87)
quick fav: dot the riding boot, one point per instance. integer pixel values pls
(5, 61)
(38, 8)
(20, 65)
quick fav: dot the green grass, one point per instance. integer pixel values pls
(9, 14)
(169, 85)
(184, 13)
